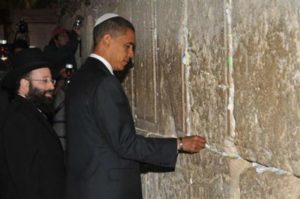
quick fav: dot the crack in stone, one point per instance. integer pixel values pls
(258, 167)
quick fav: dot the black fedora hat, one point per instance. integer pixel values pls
(22, 63)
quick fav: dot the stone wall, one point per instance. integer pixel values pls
(227, 70)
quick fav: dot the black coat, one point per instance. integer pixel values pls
(4, 102)
(32, 164)
(104, 151)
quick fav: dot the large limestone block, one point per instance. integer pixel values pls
(168, 17)
(145, 65)
(206, 71)
(267, 68)
(201, 176)
(268, 185)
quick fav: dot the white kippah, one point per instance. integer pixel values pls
(104, 18)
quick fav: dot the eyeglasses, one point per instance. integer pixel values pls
(45, 80)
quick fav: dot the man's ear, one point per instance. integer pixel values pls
(106, 39)
(24, 82)
(24, 87)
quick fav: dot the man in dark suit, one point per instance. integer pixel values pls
(104, 152)
(32, 164)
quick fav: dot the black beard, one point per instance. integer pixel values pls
(41, 101)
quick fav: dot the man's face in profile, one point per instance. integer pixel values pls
(121, 50)
(41, 87)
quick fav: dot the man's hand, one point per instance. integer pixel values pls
(191, 144)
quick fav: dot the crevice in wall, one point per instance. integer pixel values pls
(260, 168)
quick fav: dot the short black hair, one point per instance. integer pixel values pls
(115, 26)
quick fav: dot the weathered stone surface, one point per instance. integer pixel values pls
(268, 185)
(206, 80)
(267, 82)
(145, 67)
(199, 176)
(169, 70)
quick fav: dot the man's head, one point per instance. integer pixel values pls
(37, 83)
(114, 40)
(31, 76)
(60, 36)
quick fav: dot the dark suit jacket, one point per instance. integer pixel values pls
(32, 164)
(104, 151)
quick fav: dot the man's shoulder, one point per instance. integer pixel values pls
(21, 106)
(92, 61)
(93, 68)
(16, 113)
(88, 78)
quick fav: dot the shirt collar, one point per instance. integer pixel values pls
(104, 61)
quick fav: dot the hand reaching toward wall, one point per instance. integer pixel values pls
(191, 144)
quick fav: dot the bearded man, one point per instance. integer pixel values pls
(32, 161)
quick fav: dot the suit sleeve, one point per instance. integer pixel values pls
(21, 155)
(113, 114)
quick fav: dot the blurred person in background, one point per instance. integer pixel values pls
(61, 50)
(61, 53)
